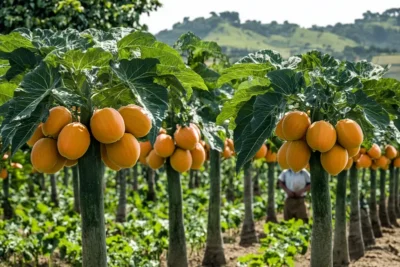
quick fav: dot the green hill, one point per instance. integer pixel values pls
(367, 38)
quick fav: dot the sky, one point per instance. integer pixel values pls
(303, 12)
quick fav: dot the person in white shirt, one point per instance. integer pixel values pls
(295, 184)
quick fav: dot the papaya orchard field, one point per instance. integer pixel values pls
(170, 147)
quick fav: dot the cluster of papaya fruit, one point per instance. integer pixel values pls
(184, 148)
(337, 144)
(60, 142)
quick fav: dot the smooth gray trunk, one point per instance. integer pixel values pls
(373, 211)
(121, 210)
(383, 212)
(392, 196)
(356, 242)
(366, 226)
(271, 214)
(135, 184)
(214, 253)
(256, 183)
(248, 234)
(54, 195)
(7, 208)
(151, 192)
(321, 239)
(66, 176)
(340, 246)
(396, 192)
(91, 187)
(177, 255)
(75, 184)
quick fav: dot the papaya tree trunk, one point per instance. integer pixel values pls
(66, 176)
(396, 192)
(321, 239)
(191, 179)
(7, 208)
(356, 242)
(121, 210)
(214, 253)
(151, 192)
(42, 182)
(248, 234)
(256, 183)
(391, 202)
(197, 179)
(383, 212)
(91, 170)
(230, 189)
(271, 215)
(373, 211)
(340, 246)
(135, 184)
(31, 187)
(177, 244)
(54, 196)
(75, 184)
(366, 227)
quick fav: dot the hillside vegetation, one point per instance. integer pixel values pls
(374, 37)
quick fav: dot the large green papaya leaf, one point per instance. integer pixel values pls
(138, 75)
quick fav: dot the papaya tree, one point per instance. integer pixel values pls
(208, 105)
(90, 70)
(330, 89)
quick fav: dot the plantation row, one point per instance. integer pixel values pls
(114, 98)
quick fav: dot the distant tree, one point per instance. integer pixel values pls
(232, 17)
(77, 14)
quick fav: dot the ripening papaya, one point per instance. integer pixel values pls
(198, 156)
(137, 122)
(396, 162)
(44, 155)
(374, 166)
(349, 133)
(229, 143)
(321, 136)
(335, 160)
(278, 129)
(374, 152)
(3, 174)
(382, 161)
(227, 153)
(349, 164)
(71, 163)
(59, 165)
(282, 155)
(363, 150)
(73, 141)
(164, 145)
(364, 161)
(154, 161)
(37, 134)
(194, 126)
(58, 118)
(186, 137)
(261, 152)
(298, 155)
(125, 152)
(181, 160)
(145, 148)
(295, 125)
(353, 151)
(107, 125)
(270, 156)
(106, 160)
(390, 152)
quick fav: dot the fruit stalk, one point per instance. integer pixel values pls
(321, 239)
(94, 252)
(340, 246)
(214, 252)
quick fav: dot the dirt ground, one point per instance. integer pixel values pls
(386, 252)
